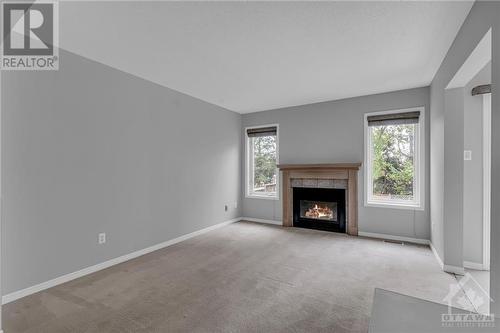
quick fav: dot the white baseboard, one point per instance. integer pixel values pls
(438, 258)
(447, 268)
(454, 269)
(397, 238)
(251, 219)
(92, 269)
(474, 265)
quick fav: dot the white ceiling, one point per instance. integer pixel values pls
(254, 56)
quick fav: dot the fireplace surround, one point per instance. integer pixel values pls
(315, 178)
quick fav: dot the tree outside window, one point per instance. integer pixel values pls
(393, 171)
(393, 159)
(262, 163)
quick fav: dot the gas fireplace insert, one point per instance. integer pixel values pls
(319, 208)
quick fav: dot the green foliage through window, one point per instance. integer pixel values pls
(393, 153)
(264, 164)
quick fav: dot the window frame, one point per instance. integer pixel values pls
(419, 165)
(248, 168)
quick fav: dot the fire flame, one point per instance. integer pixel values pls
(318, 212)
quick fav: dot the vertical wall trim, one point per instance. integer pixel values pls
(1, 200)
(495, 166)
(486, 179)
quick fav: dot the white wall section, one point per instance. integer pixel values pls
(473, 169)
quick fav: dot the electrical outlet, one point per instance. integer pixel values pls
(226, 208)
(467, 155)
(235, 204)
(102, 238)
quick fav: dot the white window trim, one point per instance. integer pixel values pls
(419, 172)
(247, 169)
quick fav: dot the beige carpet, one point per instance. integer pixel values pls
(245, 277)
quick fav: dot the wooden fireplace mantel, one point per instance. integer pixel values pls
(337, 171)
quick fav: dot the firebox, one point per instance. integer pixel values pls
(319, 208)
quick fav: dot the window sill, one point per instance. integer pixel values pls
(250, 196)
(394, 206)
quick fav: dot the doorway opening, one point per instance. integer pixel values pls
(470, 89)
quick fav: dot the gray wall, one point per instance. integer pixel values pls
(473, 169)
(90, 149)
(332, 132)
(453, 176)
(483, 15)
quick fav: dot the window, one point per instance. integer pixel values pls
(394, 163)
(261, 162)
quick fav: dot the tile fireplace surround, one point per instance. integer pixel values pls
(340, 175)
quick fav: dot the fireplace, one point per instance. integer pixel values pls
(319, 208)
(340, 180)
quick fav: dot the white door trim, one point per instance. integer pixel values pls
(1, 193)
(486, 179)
